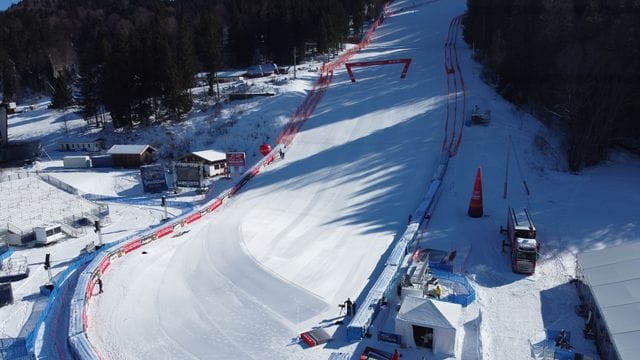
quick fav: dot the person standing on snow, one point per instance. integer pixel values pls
(349, 306)
(99, 283)
(438, 292)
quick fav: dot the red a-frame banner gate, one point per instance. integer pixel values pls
(406, 63)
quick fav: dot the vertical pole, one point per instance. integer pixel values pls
(506, 175)
(163, 202)
(217, 87)
(294, 63)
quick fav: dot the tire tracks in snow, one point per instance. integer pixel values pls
(456, 91)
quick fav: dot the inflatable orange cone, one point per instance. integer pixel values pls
(475, 206)
(396, 355)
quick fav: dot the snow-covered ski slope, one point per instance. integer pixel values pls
(314, 229)
(306, 233)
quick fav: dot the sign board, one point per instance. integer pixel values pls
(6, 294)
(153, 178)
(189, 175)
(237, 159)
(388, 337)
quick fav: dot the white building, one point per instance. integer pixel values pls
(428, 323)
(82, 145)
(213, 162)
(609, 287)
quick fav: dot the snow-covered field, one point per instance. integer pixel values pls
(312, 229)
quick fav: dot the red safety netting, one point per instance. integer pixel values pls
(306, 109)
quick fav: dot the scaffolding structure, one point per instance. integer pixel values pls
(28, 201)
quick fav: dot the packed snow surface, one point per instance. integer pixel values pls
(315, 228)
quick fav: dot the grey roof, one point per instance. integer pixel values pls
(613, 274)
(129, 149)
(231, 74)
(80, 140)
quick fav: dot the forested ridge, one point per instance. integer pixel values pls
(137, 59)
(574, 63)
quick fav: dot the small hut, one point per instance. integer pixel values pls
(131, 156)
(427, 323)
(214, 162)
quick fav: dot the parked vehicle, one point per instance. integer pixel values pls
(521, 237)
(480, 117)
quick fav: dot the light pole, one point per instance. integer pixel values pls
(294, 63)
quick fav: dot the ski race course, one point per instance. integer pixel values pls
(243, 276)
(305, 233)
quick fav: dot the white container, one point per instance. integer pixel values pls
(47, 234)
(76, 162)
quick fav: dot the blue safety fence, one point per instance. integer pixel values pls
(7, 254)
(464, 296)
(14, 349)
(141, 201)
(53, 297)
(340, 356)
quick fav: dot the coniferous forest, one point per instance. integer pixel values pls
(137, 59)
(574, 63)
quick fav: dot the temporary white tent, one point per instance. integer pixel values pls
(613, 278)
(428, 323)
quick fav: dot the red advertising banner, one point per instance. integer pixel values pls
(104, 264)
(234, 189)
(164, 231)
(132, 246)
(255, 171)
(193, 217)
(236, 159)
(89, 293)
(307, 338)
(85, 320)
(216, 204)
(270, 159)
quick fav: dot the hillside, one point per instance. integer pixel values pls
(316, 227)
